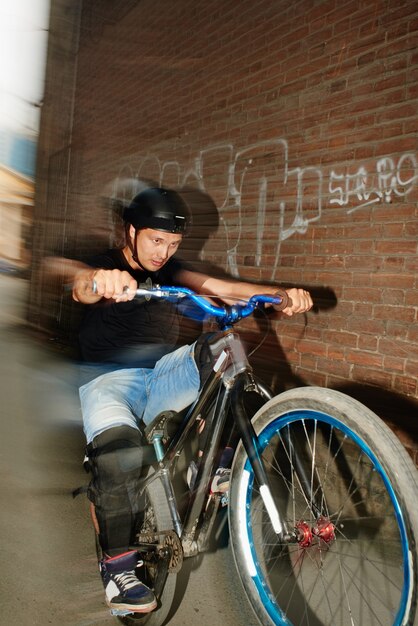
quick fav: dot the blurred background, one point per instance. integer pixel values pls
(24, 37)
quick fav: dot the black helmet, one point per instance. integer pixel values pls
(160, 209)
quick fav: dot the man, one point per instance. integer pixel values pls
(143, 371)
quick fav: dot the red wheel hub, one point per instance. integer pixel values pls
(324, 529)
(304, 534)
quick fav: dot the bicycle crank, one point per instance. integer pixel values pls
(163, 545)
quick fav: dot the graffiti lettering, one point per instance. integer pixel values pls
(388, 179)
(287, 200)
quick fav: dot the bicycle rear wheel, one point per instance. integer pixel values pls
(352, 504)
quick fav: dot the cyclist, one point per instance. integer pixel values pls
(138, 370)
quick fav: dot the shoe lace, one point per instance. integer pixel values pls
(126, 580)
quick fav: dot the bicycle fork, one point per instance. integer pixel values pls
(252, 448)
(236, 370)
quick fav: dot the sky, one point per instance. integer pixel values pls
(23, 44)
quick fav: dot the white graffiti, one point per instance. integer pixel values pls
(261, 200)
(389, 179)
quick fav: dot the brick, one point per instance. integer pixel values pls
(399, 112)
(341, 338)
(386, 279)
(355, 294)
(394, 364)
(365, 326)
(366, 359)
(398, 348)
(393, 297)
(406, 385)
(378, 378)
(396, 146)
(335, 353)
(313, 378)
(396, 247)
(393, 312)
(340, 367)
(367, 343)
(411, 298)
(411, 368)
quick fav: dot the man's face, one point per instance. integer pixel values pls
(155, 247)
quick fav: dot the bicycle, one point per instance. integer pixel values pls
(322, 518)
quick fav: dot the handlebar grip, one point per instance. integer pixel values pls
(146, 286)
(286, 300)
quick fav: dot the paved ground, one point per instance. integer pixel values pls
(49, 570)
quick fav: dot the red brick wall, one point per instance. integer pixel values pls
(298, 120)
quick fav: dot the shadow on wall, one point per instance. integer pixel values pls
(270, 362)
(397, 411)
(204, 224)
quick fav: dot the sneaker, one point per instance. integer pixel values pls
(220, 482)
(124, 591)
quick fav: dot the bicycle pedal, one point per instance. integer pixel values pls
(120, 612)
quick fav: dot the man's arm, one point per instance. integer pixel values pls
(75, 275)
(230, 291)
(90, 284)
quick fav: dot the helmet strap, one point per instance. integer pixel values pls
(132, 245)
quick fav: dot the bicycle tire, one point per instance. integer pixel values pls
(364, 482)
(156, 518)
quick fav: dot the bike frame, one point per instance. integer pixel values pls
(230, 377)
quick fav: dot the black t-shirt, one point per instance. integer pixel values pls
(135, 333)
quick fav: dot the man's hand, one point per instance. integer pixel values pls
(115, 284)
(92, 285)
(300, 301)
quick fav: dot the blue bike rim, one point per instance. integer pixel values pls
(273, 609)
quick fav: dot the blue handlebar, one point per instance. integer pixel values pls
(225, 316)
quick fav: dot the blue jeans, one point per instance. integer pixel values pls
(126, 396)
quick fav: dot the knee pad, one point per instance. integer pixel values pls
(115, 461)
(115, 458)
